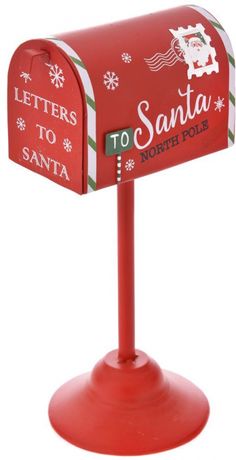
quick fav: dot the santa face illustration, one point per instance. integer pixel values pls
(191, 46)
(198, 51)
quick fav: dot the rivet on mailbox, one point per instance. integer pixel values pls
(104, 106)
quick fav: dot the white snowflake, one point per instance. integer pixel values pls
(56, 74)
(130, 164)
(126, 58)
(219, 103)
(67, 144)
(111, 80)
(21, 125)
(26, 76)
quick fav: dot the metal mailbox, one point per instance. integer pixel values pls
(105, 106)
(92, 108)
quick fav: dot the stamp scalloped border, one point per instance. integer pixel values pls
(180, 33)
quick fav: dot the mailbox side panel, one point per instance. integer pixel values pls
(166, 77)
(45, 114)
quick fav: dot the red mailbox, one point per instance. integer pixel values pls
(105, 106)
(157, 91)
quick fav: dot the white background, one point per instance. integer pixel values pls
(58, 294)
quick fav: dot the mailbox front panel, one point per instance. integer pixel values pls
(148, 93)
(46, 114)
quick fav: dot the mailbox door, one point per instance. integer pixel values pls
(46, 114)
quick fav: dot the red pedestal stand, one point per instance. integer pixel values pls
(127, 405)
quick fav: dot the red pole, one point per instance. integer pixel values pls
(125, 215)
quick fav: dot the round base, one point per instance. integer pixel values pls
(128, 408)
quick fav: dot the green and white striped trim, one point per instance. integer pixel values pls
(91, 111)
(224, 37)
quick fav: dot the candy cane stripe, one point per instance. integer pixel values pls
(90, 102)
(228, 47)
(91, 110)
(231, 60)
(232, 98)
(77, 61)
(217, 25)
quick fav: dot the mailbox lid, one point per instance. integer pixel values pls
(45, 114)
(141, 60)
